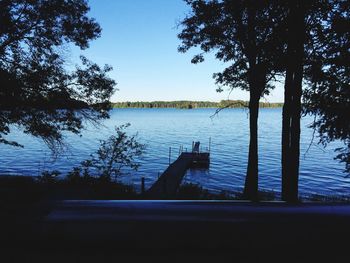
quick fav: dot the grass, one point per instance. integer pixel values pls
(26, 190)
(191, 191)
(326, 198)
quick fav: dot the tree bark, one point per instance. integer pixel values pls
(292, 109)
(286, 123)
(250, 191)
(251, 181)
(296, 114)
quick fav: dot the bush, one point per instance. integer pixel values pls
(117, 152)
(49, 176)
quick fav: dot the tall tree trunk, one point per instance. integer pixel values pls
(292, 108)
(286, 124)
(251, 180)
(296, 113)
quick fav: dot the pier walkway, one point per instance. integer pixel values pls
(168, 183)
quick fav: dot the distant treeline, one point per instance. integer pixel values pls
(183, 104)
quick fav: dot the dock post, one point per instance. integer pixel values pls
(209, 143)
(169, 154)
(192, 146)
(142, 185)
(164, 186)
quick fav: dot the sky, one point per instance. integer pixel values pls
(139, 40)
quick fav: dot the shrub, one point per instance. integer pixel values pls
(115, 153)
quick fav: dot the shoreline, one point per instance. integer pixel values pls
(184, 104)
(19, 188)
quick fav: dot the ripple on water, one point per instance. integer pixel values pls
(160, 129)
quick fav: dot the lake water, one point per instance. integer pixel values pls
(160, 129)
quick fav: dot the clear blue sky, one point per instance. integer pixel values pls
(139, 39)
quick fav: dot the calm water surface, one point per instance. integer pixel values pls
(160, 129)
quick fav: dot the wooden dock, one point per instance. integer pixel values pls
(168, 183)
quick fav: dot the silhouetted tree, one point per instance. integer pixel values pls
(315, 55)
(291, 113)
(37, 92)
(114, 154)
(194, 104)
(328, 72)
(242, 33)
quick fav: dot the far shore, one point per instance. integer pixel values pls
(184, 104)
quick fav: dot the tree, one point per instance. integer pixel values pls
(327, 96)
(241, 33)
(291, 113)
(37, 92)
(115, 153)
(316, 54)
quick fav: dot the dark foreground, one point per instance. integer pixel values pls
(174, 231)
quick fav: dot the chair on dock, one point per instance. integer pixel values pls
(195, 147)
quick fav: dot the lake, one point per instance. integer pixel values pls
(160, 129)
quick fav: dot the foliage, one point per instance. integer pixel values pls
(239, 32)
(49, 176)
(326, 198)
(344, 156)
(38, 93)
(191, 104)
(74, 176)
(117, 152)
(327, 96)
(24, 190)
(191, 191)
(244, 35)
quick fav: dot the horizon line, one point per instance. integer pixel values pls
(133, 101)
